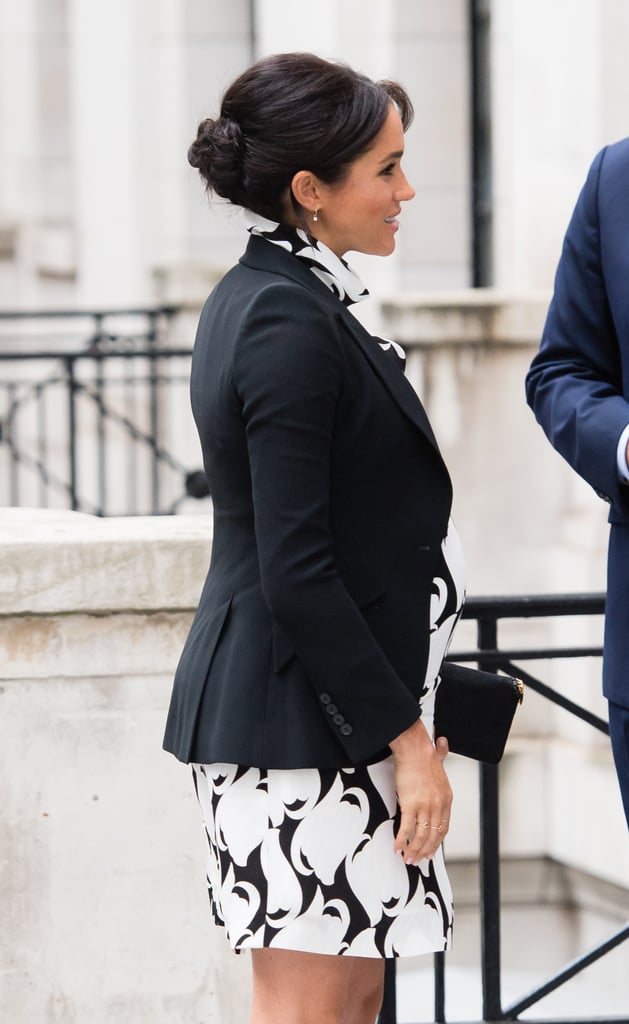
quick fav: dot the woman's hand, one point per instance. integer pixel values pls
(423, 792)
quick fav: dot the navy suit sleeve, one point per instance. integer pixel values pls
(288, 373)
(574, 385)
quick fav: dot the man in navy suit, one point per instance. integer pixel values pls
(578, 387)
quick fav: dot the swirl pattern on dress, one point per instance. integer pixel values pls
(303, 859)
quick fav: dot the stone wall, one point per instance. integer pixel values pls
(105, 912)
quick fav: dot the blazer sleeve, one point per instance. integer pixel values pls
(288, 372)
(574, 385)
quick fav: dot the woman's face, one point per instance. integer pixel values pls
(361, 212)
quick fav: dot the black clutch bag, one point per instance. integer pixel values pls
(474, 710)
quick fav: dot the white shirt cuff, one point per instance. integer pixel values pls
(621, 456)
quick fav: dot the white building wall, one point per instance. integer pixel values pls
(34, 190)
(560, 92)
(431, 58)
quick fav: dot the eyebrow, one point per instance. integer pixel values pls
(392, 156)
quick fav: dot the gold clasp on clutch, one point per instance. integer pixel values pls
(520, 686)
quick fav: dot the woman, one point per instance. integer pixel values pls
(304, 693)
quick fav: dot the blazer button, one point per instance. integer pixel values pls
(338, 720)
(331, 709)
(325, 698)
(346, 730)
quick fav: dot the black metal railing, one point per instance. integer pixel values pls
(487, 612)
(94, 412)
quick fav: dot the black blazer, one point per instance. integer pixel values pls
(310, 642)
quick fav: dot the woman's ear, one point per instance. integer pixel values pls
(306, 190)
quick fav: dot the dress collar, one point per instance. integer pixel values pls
(334, 272)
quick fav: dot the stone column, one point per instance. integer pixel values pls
(19, 168)
(111, 180)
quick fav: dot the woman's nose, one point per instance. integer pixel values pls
(406, 190)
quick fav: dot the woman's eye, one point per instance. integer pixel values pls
(388, 170)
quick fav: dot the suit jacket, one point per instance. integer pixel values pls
(578, 384)
(310, 642)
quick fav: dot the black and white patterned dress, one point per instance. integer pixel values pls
(303, 858)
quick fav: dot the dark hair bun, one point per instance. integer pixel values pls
(218, 154)
(287, 113)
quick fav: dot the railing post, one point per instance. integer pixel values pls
(388, 1010)
(99, 390)
(42, 444)
(440, 987)
(151, 338)
(489, 860)
(72, 487)
(9, 437)
(490, 893)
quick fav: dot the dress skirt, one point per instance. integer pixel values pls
(303, 858)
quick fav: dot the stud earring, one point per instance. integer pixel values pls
(315, 215)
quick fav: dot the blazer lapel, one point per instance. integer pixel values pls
(392, 376)
(262, 255)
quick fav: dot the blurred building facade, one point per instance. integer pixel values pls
(99, 101)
